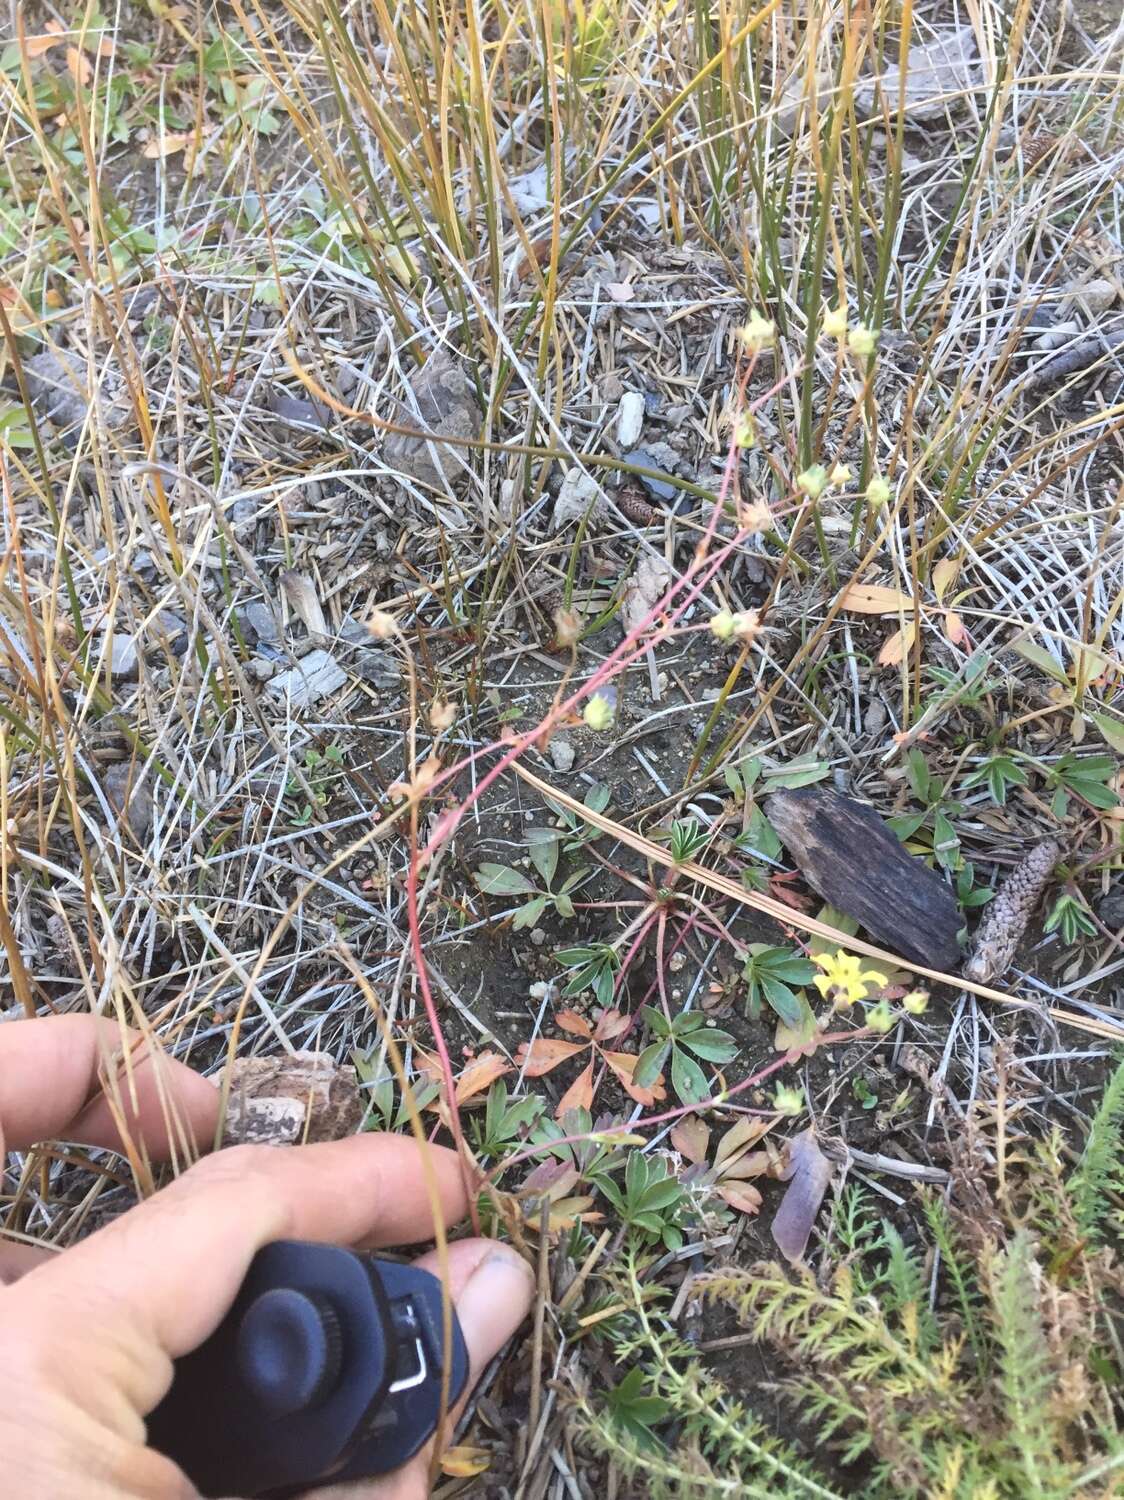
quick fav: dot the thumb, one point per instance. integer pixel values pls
(492, 1288)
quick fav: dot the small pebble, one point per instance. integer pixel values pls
(538, 937)
(562, 753)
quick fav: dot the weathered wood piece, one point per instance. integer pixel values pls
(850, 857)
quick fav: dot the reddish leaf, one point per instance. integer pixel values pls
(746, 1199)
(808, 1174)
(569, 1020)
(580, 1093)
(544, 1054)
(556, 1177)
(480, 1074)
(691, 1137)
(751, 1164)
(623, 1065)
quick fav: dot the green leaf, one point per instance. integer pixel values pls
(502, 880)
(658, 1021)
(563, 905)
(784, 1001)
(712, 1045)
(798, 773)
(528, 915)
(542, 846)
(1039, 657)
(649, 1065)
(687, 1078)
(1112, 730)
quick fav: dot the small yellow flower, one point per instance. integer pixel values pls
(841, 474)
(788, 1101)
(598, 713)
(756, 332)
(861, 340)
(880, 1018)
(812, 481)
(835, 322)
(723, 625)
(844, 975)
(878, 492)
(916, 1002)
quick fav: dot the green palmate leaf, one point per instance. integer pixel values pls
(774, 975)
(502, 880)
(687, 1078)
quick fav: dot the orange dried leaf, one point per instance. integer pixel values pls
(166, 144)
(610, 1023)
(875, 599)
(580, 1093)
(944, 575)
(954, 629)
(49, 37)
(691, 1136)
(741, 1136)
(623, 1065)
(480, 1074)
(894, 651)
(545, 1053)
(569, 1020)
(743, 1197)
(78, 65)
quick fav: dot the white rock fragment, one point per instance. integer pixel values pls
(317, 676)
(579, 492)
(630, 418)
(562, 753)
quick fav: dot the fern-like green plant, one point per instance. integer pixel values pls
(1099, 1170)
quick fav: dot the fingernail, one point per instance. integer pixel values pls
(494, 1302)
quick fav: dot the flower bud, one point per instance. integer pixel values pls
(862, 340)
(812, 481)
(598, 713)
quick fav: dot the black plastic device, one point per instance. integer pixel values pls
(327, 1367)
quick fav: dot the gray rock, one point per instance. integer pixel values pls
(57, 385)
(446, 405)
(368, 659)
(562, 753)
(318, 676)
(1110, 908)
(128, 798)
(660, 488)
(259, 624)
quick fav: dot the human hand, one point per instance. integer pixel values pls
(88, 1336)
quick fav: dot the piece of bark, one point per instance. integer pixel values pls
(850, 857)
(1005, 920)
(277, 1101)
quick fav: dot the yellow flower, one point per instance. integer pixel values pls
(916, 1001)
(835, 322)
(812, 481)
(880, 1018)
(840, 474)
(723, 625)
(788, 1101)
(878, 492)
(598, 712)
(844, 974)
(756, 332)
(861, 340)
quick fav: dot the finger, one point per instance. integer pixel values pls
(162, 1275)
(50, 1086)
(17, 1260)
(492, 1289)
